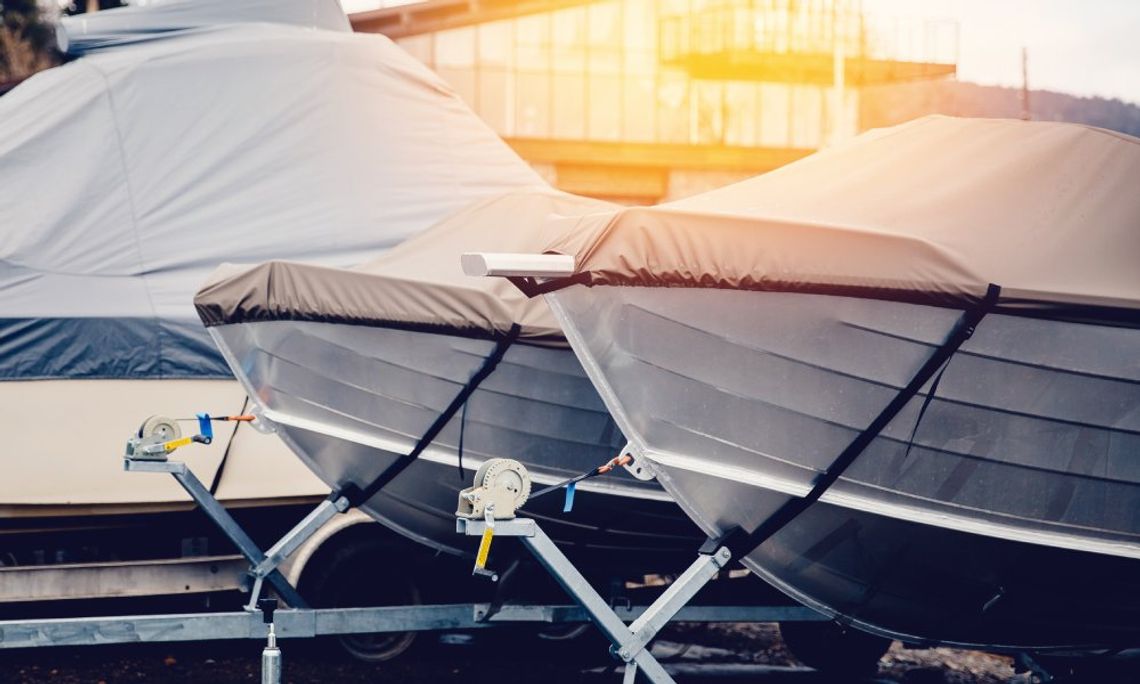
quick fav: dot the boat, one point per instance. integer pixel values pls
(899, 378)
(395, 380)
(132, 170)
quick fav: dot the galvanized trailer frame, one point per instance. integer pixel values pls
(629, 628)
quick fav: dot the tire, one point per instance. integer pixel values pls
(833, 648)
(353, 576)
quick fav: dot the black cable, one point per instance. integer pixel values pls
(462, 426)
(217, 481)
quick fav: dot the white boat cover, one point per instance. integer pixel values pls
(933, 210)
(154, 19)
(129, 174)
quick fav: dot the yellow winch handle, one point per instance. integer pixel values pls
(484, 548)
(175, 443)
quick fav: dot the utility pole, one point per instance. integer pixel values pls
(1025, 116)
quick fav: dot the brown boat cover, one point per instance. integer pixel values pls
(933, 210)
(419, 284)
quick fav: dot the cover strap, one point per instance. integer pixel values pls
(742, 543)
(358, 495)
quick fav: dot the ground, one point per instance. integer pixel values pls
(696, 653)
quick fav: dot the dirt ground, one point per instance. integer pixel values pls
(694, 653)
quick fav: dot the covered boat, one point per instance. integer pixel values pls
(901, 377)
(397, 379)
(181, 134)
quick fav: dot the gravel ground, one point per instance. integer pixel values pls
(696, 653)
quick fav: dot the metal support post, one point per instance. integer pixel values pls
(312, 522)
(676, 597)
(271, 654)
(628, 641)
(223, 520)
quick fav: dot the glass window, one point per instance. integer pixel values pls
(709, 112)
(604, 107)
(604, 20)
(807, 116)
(569, 114)
(605, 60)
(532, 41)
(455, 48)
(496, 99)
(673, 109)
(639, 25)
(496, 43)
(740, 114)
(569, 33)
(775, 112)
(532, 109)
(639, 113)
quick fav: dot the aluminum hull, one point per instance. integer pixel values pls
(1010, 521)
(350, 400)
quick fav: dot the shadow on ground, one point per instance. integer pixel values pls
(744, 653)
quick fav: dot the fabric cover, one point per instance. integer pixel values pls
(128, 175)
(157, 19)
(419, 284)
(932, 210)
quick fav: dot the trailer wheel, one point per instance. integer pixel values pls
(834, 649)
(358, 575)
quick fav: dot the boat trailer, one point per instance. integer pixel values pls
(486, 510)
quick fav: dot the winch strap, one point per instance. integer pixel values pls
(592, 472)
(357, 496)
(742, 543)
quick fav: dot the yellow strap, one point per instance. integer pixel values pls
(175, 443)
(484, 548)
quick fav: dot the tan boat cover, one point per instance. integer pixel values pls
(418, 284)
(933, 210)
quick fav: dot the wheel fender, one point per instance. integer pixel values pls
(295, 564)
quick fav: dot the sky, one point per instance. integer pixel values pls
(1082, 47)
(1089, 47)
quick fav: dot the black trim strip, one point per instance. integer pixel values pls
(533, 288)
(1090, 314)
(358, 495)
(742, 543)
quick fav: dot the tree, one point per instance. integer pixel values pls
(26, 40)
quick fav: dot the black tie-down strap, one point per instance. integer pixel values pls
(741, 543)
(358, 495)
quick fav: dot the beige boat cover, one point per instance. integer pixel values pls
(418, 285)
(933, 210)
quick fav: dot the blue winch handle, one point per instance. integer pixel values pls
(205, 428)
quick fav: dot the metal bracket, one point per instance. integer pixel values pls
(628, 642)
(300, 533)
(261, 568)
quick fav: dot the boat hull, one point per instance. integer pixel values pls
(1008, 521)
(351, 400)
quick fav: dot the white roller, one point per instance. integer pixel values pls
(518, 265)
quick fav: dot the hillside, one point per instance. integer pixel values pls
(892, 104)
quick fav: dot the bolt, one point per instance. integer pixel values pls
(624, 653)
